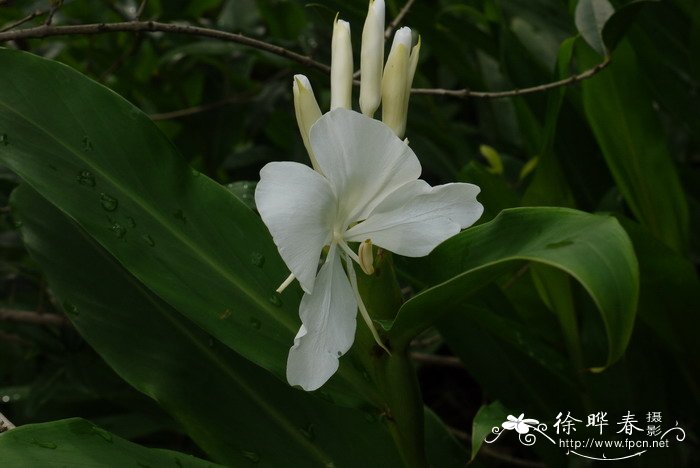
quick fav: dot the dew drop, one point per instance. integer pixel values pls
(275, 300)
(108, 203)
(46, 445)
(4, 139)
(252, 456)
(179, 214)
(131, 221)
(118, 230)
(70, 309)
(308, 432)
(102, 433)
(255, 323)
(225, 314)
(257, 259)
(556, 245)
(149, 240)
(86, 178)
(87, 144)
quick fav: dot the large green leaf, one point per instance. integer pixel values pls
(187, 238)
(619, 110)
(233, 409)
(593, 249)
(76, 442)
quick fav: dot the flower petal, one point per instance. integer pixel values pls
(298, 207)
(522, 428)
(363, 160)
(329, 321)
(508, 425)
(414, 219)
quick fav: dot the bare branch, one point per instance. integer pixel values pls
(154, 26)
(27, 18)
(25, 316)
(56, 5)
(445, 361)
(5, 424)
(200, 108)
(139, 12)
(396, 21)
(466, 93)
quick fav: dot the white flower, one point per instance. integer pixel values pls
(396, 82)
(341, 66)
(522, 426)
(306, 109)
(367, 187)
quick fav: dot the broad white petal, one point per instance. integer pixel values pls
(329, 321)
(363, 160)
(416, 218)
(298, 206)
(522, 428)
(508, 425)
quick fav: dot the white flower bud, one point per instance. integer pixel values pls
(341, 66)
(412, 65)
(307, 111)
(372, 58)
(396, 82)
(366, 257)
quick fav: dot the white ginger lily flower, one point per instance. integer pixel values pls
(522, 426)
(367, 188)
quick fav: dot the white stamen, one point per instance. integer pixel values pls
(285, 283)
(363, 309)
(343, 245)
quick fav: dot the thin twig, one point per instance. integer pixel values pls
(27, 18)
(426, 342)
(396, 21)
(489, 452)
(49, 19)
(14, 339)
(199, 108)
(154, 26)
(466, 93)
(5, 424)
(139, 12)
(445, 361)
(25, 316)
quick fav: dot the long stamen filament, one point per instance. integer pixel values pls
(346, 248)
(361, 305)
(286, 283)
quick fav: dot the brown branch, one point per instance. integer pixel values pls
(44, 31)
(14, 339)
(5, 424)
(199, 108)
(139, 11)
(153, 26)
(27, 18)
(56, 5)
(25, 316)
(489, 452)
(396, 21)
(445, 361)
(467, 93)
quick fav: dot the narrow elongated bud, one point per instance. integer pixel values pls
(341, 66)
(307, 111)
(372, 58)
(364, 253)
(395, 82)
(412, 65)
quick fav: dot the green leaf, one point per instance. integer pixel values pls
(76, 442)
(187, 238)
(488, 417)
(593, 249)
(619, 110)
(591, 16)
(616, 27)
(233, 409)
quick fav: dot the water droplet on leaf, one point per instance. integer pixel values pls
(257, 259)
(275, 300)
(225, 314)
(108, 203)
(556, 245)
(4, 139)
(70, 308)
(255, 323)
(149, 240)
(87, 144)
(118, 230)
(308, 432)
(46, 445)
(131, 221)
(179, 214)
(86, 178)
(252, 456)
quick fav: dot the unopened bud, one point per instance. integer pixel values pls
(395, 82)
(307, 111)
(372, 58)
(366, 257)
(341, 66)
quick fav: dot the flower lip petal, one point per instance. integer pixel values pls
(328, 327)
(362, 159)
(298, 207)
